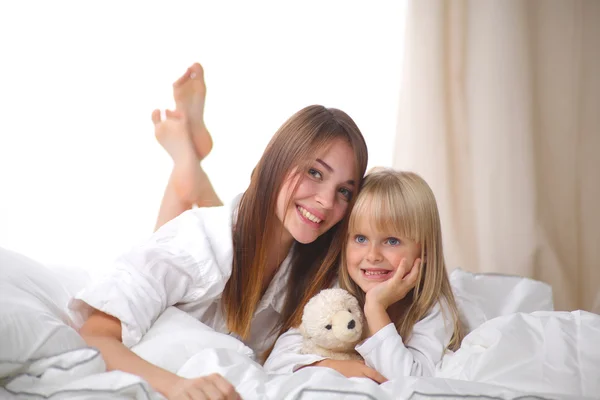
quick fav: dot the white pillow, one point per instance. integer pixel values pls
(33, 321)
(77, 374)
(544, 352)
(73, 279)
(481, 297)
(176, 336)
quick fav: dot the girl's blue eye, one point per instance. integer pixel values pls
(360, 239)
(346, 193)
(314, 173)
(393, 241)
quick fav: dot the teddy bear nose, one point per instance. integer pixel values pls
(351, 324)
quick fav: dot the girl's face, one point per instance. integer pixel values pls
(371, 255)
(323, 194)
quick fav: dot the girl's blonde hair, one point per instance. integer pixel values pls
(403, 204)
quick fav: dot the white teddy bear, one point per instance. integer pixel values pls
(332, 325)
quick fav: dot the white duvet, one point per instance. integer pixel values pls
(508, 354)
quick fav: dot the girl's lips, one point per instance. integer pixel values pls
(377, 274)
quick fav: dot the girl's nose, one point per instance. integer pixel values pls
(374, 255)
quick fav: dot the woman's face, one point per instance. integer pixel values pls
(323, 195)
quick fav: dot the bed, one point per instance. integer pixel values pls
(518, 347)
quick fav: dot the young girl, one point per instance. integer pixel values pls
(259, 259)
(394, 264)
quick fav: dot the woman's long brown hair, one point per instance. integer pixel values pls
(313, 265)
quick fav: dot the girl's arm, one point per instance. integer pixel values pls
(388, 353)
(377, 317)
(286, 357)
(385, 294)
(385, 350)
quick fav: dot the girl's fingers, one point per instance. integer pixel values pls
(402, 269)
(413, 275)
(399, 274)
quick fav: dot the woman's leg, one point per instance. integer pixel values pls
(184, 136)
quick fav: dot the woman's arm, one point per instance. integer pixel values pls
(180, 263)
(103, 332)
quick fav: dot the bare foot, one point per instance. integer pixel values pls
(189, 92)
(172, 134)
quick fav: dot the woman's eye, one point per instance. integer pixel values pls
(360, 239)
(315, 174)
(328, 327)
(346, 193)
(393, 241)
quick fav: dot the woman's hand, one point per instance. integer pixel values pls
(211, 387)
(352, 369)
(394, 289)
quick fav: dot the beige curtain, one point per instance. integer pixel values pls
(500, 113)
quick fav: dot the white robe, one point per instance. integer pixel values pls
(186, 264)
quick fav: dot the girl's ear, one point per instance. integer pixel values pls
(422, 260)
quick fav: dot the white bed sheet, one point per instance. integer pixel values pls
(548, 355)
(543, 355)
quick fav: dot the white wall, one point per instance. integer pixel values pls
(81, 174)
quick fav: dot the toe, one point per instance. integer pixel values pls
(156, 116)
(174, 114)
(183, 78)
(196, 71)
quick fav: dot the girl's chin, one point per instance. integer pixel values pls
(366, 286)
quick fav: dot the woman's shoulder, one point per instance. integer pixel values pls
(202, 232)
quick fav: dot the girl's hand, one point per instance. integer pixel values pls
(394, 289)
(211, 387)
(352, 369)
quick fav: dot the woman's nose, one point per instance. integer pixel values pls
(326, 197)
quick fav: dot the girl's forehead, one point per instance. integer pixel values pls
(369, 225)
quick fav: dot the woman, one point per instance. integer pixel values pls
(260, 259)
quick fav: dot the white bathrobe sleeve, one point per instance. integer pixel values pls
(286, 357)
(186, 260)
(387, 353)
